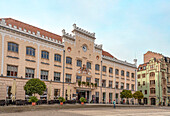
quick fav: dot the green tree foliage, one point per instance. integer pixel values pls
(126, 94)
(34, 86)
(82, 99)
(33, 99)
(138, 95)
(61, 99)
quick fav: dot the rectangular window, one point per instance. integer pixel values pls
(88, 79)
(143, 75)
(104, 68)
(13, 47)
(152, 82)
(30, 51)
(57, 57)
(68, 78)
(97, 81)
(110, 84)
(56, 93)
(110, 97)
(138, 83)
(138, 76)
(12, 70)
(145, 91)
(127, 74)
(44, 54)
(68, 60)
(127, 86)
(122, 85)
(57, 76)
(29, 73)
(117, 71)
(78, 78)
(110, 70)
(117, 85)
(143, 82)
(152, 90)
(44, 75)
(103, 83)
(132, 75)
(79, 63)
(88, 65)
(132, 87)
(97, 67)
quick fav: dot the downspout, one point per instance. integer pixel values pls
(101, 82)
(63, 71)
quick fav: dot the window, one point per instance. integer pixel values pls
(97, 67)
(13, 47)
(138, 76)
(117, 85)
(57, 76)
(88, 65)
(138, 83)
(44, 75)
(104, 68)
(56, 93)
(68, 78)
(132, 75)
(143, 75)
(78, 78)
(30, 51)
(12, 70)
(44, 54)
(132, 87)
(57, 57)
(110, 84)
(68, 60)
(110, 97)
(143, 82)
(79, 63)
(127, 86)
(29, 73)
(144, 67)
(88, 79)
(122, 72)
(152, 74)
(97, 81)
(127, 74)
(152, 82)
(122, 85)
(145, 91)
(117, 71)
(44, 95)
(110, 70)
(152, 90)
(103, 83)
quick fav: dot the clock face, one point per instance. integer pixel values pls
(84, 48)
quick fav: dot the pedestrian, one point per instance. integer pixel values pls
(114, 103)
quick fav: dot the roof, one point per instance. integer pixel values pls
(104, 53)
(31, 28)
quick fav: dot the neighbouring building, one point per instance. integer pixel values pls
(60, 61)
(153, 79)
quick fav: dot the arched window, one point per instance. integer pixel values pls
(45, 54)
(30, 51)
(110, 70)
(127, 74)
(79, 63)
(117, 71)
(68, 60)
(122, 73)
(97, 67)
(152, 74)
(13, 47)
(57, 57)
(88, 65)
(104, 68)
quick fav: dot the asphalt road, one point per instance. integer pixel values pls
(156, 111)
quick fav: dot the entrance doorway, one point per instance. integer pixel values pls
(153, 101)
(145, 101)
(83, 93)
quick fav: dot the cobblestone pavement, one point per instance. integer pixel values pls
(156, 111)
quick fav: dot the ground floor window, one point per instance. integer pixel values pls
(56, 93)
(44, 95)
(110, 97)
(8, 92)
(145, 100)
(29, 73)
(117, 97)
(57, 76)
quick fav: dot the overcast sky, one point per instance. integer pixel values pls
(126, 28)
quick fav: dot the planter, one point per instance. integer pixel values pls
(33, 103)
(61, 103)
(82, 103)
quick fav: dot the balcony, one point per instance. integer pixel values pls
(85, 86)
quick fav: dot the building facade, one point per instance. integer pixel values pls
(152, 78)
(61, 62)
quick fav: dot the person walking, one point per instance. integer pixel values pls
(114, 103)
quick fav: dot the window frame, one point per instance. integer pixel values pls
(57, 57)
(13, 47)
(29, 50)
(45, 54)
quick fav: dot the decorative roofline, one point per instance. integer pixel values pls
(98, 46)
(83, 31)
(119, 61)
(70, 36)
(28, 32)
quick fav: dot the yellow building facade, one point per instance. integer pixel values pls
(61, 62)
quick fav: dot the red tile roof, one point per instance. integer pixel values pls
(31, 28)
(104, 53)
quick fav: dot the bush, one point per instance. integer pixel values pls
(79, 83)
(82, 99)
(61, 99)
(33, 99)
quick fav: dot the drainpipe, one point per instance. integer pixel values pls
(63, 71)
(101, 82)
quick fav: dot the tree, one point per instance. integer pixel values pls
(34, 86)
(138, 95)
(126, 94)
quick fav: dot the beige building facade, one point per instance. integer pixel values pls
(60, 61)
